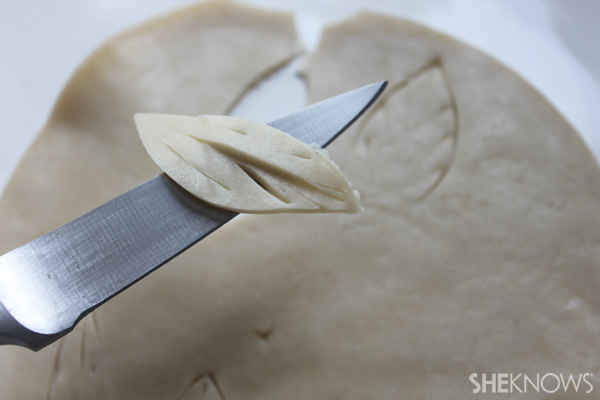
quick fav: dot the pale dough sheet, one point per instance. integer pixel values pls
(478, 250)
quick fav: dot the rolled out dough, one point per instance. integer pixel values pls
(478, 250)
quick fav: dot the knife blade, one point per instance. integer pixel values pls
(49, 284)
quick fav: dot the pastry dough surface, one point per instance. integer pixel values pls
(245, 166)
(477, 251)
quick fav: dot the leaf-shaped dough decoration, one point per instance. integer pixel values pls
(245, 166)
(417, 119)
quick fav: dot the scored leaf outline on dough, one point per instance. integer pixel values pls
(439, 151)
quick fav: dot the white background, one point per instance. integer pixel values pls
(551, 43)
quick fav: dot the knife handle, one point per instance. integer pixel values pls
(12, 332)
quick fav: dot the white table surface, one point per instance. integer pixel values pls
(551, 43)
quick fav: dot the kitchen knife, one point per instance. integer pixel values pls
(49, 284)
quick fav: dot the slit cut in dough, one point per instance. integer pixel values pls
(245, 166)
